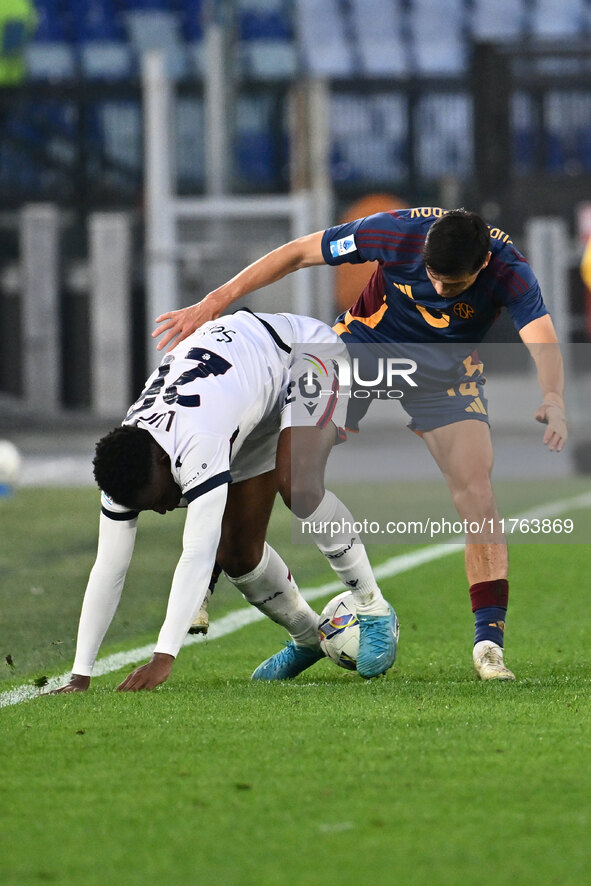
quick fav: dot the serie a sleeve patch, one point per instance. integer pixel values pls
(343, 246)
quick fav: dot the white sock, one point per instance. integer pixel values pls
(348, 558)
(271, 589)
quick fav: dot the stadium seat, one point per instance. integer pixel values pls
(145, 5)
(50, 61)
(554, 20)
(379, 28)
(13, 37)
(323, 43)
(584, 147)
(121, 127)
(438, 36)
(191, 20)
(191, 31)
(267, 59)
(444, 136)
(523, 133)
(51, 27)
(189, 144)
(263, 20)
(502, 19)
(106, 60)
(96, 20)
(567, 121)
(158, 30)
(256, 158)
(368, 138)
(195, 58)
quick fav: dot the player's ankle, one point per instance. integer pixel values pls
(372, 605)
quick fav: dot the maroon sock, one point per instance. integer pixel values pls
(490, 593)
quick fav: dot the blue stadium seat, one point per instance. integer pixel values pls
(267, 59)
(19, 171)
(438, 35)
(106, 60)
(189, 143)
(191, 20)
(382, 45)
(14, 37)
(158, 30)
(145, 5)
(444, 127)
(554, 155)
(523, 133)
(50, 61)
(567, 18)
(256, 155)
(51, 27)
(191, 27)
(121, 128)
(584, 147)
(323, 40)
(502, 19)
(567, 121)
(266, 47)
(195, 58)
(263, 20)
(96, 20)
(368, 138)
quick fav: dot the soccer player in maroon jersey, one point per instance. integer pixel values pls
(441, 278)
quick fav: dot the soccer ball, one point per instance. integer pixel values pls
(10, 466)
(339, 631)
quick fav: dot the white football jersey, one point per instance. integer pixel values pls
(208, 394)
(216, 403)
(216, 387)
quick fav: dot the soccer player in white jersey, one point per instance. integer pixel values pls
(218, 428)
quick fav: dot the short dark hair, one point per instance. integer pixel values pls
(457, 243)
(123, 463)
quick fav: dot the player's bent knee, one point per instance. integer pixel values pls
(477, 494)
(302, 498)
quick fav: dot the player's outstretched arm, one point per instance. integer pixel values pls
(101, 598)
(542, 343)
(189, 585)
(301, 253)
(150, 675)
(78, 683)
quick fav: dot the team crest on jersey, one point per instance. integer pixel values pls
(342, 246)
(463, 311)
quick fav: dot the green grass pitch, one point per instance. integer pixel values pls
(423, 777)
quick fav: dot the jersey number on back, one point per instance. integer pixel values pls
(206, 363)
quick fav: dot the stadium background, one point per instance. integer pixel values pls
(295, 120)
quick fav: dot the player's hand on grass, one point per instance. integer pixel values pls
(552, 414)
(150, 675)
(177, 325)
(78, 683)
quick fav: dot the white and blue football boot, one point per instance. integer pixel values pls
(288, 663)
(378, 642)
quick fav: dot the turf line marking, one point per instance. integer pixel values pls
(239, 618)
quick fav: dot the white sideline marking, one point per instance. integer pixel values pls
(239, 618)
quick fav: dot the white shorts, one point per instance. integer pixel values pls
(311, 396)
